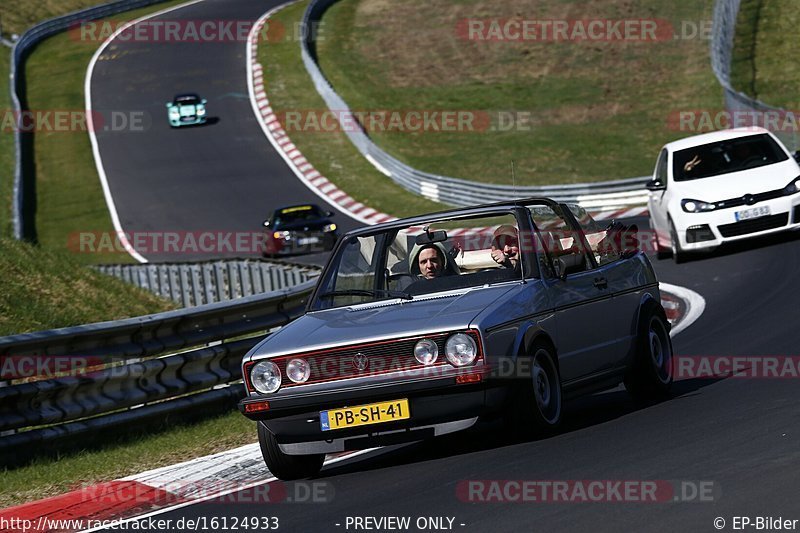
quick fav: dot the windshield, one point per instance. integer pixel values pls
(412, 261)
(731, 155)
(300, 213)
(187, 99)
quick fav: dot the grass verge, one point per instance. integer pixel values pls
(39, 288)
(596, 110)
(69, 196)
(764, 52)
(49, 477)
(290, 88)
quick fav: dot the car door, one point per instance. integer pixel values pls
(589, 327)
(657, 201)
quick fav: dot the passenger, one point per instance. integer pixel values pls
(505, 246)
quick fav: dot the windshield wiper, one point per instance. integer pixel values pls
(366, 292)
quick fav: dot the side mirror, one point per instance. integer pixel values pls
(655, 185)
(266, 223)
(168, 104)
(204, 101)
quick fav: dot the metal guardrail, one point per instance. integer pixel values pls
(192, 284)
(750, 110)
(609, 194)
(24, 189)
(131, 370)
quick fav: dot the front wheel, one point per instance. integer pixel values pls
(536, 405)
(284, 466)
(651, 374)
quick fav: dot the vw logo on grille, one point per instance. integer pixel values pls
(360, 361)
(749, 199)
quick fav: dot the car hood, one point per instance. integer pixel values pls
(381, 320)
(737, 184)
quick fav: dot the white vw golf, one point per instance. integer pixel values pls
(722, 186)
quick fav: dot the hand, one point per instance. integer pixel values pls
(499, 257)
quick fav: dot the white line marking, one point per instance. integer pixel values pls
(695, 305)
(116, 524)
(87, 89)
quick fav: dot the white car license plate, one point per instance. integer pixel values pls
(307, 240)
(755, 212)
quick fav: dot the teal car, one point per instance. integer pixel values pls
(186, 110)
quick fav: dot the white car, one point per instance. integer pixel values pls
(722, 186)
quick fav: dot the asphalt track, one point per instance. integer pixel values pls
(741, 434)
(221, 177)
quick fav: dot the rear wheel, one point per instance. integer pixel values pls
(650, 376)
(285, 466)
(537, 398)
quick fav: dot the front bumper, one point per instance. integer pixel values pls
(437, 406)
(714, 228)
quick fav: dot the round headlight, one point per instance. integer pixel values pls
(690, 206)
(461, 350)
(265, 377)
(426, 351)
(298, 370)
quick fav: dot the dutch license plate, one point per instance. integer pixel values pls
(363, 415)
(307, 240)
(755, 212)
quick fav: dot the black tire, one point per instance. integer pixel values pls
(536, 402)
(283, 466)
(651, 373)
(678, 255)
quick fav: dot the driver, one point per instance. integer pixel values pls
(430, 261)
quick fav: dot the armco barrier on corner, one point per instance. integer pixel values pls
(616, 194)
(185, 361)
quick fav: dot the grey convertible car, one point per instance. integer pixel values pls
(418, 327)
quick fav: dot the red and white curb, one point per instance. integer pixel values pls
(305, 171)
(154, 492)
(277, 136)
(214, 476)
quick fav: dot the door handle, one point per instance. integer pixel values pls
(601, 283)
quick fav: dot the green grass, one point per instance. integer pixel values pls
(49, 477)
(68, 192)
(599, 110)
(290, 88)
(6, 156)
(39, 288)
(764, 61)
(17, 16)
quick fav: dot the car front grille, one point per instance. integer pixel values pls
(381, 358)
(753, 226)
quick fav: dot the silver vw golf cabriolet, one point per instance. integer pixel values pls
(417, 327)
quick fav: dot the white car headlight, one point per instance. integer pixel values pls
(460, 350)
(201, 110)
(696, 206)
(265, 377)
(426, 352)
(298, 370)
